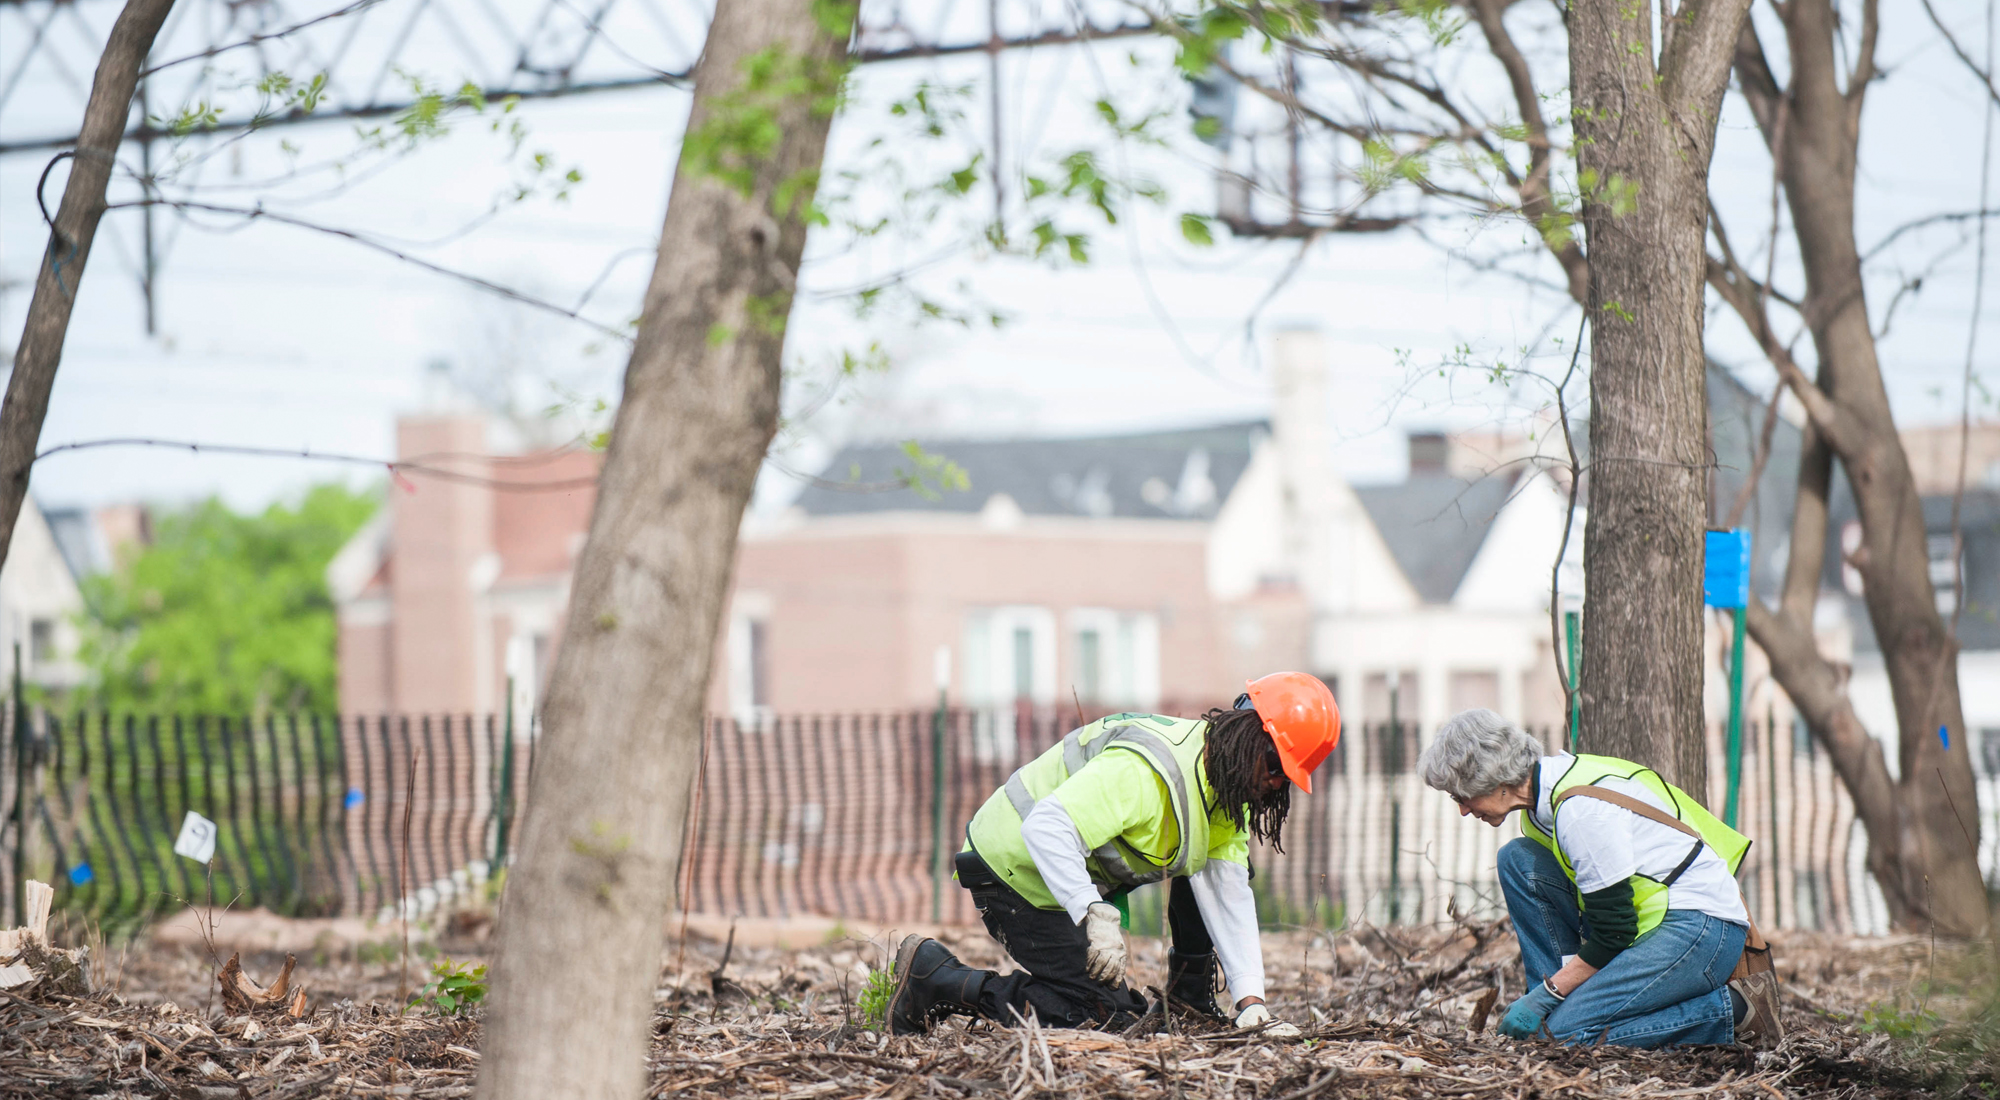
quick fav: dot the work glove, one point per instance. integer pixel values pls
(1525, 1017)
(1258, 1018)
(1104, 959)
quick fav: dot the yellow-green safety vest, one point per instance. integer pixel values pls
(1649, 895)
(1171, 746)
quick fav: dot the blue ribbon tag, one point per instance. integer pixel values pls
(1944, 735)
(355, 797)
(81, 874)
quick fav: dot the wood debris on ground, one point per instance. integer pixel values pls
(1386, 1013)
(29, 962)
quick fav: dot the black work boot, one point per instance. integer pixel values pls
(931, 984)
(1191, 983)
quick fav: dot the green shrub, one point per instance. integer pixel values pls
(454, 987)
(875, 994)
(1897, 1022)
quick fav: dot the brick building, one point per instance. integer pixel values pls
(1150, 569)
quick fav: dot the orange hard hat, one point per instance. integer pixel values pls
(1303, 720)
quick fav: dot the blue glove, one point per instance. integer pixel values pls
(1524, 1017)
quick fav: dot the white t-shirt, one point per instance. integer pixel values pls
(1608, 844)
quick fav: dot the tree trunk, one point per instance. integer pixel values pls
(1923, 826)
(61, 272)
(623, 717)
(1644, 138)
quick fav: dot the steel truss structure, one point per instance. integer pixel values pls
(369, 48)
(212, 55)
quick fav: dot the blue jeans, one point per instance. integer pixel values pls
(1667, 989)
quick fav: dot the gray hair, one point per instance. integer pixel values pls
(1477, 752)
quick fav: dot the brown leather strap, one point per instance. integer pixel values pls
(1626, 801)
(1753, 940)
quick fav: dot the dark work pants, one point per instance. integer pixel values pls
(1053, 950)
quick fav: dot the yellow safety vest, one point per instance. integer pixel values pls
(1649, 895)
(1173, 748)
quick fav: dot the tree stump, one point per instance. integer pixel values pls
(242, 996)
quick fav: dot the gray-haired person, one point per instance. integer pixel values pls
(1628, 929)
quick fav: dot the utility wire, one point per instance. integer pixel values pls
(396, 467)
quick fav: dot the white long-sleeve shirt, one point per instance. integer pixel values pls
(1221, 890)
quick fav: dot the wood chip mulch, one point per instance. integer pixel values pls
(1386, 1014)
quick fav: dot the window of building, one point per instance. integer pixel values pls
(1386, 695)
(1944, 572)
(1390, 721)
(1470, 690)
(760, 665)
(1010, 662)
(1024, 663)
(1114, 657)
(41, 640)
(749, 658)
(1009, 656)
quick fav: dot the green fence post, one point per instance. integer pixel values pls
(505, 803)
(1735, 718)
(1725, 583)
(1570, 632)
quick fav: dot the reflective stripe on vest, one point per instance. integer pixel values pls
(1649, 895)
(1076, 753)
(1173, 750)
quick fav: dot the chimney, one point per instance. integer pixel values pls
(443, 528)
(1303, 437)
(1430, 454)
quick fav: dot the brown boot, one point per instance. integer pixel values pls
(1760, 1028)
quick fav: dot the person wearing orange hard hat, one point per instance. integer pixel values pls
(1124, 801)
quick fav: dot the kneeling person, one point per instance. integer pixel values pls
(1121, 802)
(1629, 927)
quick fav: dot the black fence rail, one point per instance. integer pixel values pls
(850, 815)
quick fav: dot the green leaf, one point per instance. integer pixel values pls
(1195, 227)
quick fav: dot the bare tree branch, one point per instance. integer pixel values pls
(1920, 223)
(214, 51)
(1971, 347)
(1537, 204)
(1985, 78)
(1756, 83)
(1807, 556)
(1864, 60)
(1699, 54)
(1569, 521)
(71, 233)
(1748, 489)
(1832, 420)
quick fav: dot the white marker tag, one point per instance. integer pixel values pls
(197, 839)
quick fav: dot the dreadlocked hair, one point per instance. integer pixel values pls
(1237, 745)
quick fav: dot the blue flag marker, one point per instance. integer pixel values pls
(81, 874)
(355, 797)
(1725, 576)
(1944, 735)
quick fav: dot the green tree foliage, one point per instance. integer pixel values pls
(224, 613)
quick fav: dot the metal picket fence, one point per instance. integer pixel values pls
(848, 815)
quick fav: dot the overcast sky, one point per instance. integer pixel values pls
(281, 337)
